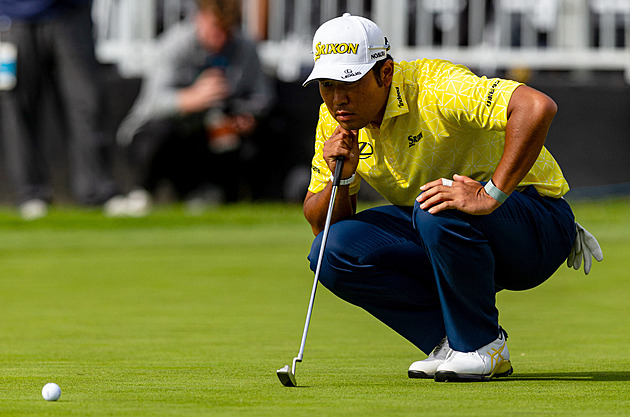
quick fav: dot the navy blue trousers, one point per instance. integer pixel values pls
(427, 276)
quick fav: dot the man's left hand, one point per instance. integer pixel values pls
(463, 194)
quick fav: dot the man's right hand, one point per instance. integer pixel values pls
(207, 91)
(343, 143)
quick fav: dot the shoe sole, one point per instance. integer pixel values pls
(503, 369)
(419, 375)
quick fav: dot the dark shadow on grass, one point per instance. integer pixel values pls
(611, 376)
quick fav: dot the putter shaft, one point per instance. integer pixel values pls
(282, 373)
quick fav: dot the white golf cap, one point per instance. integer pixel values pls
(346, 48)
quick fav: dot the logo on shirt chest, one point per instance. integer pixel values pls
(365, 150)
(414, 139)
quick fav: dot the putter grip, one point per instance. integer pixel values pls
(338, 169)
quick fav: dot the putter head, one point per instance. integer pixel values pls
(286, 377)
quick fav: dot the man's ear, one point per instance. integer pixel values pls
(387, 73)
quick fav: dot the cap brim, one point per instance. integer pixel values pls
(344, 72)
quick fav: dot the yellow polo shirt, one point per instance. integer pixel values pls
(440, 120)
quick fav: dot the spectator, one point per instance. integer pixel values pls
(201, 99)
(55, 51)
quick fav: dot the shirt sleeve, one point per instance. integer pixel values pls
(158, 96)
(160, 87)
(469, 101)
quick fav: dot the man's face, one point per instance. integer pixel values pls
(210, 33)
(355, 105)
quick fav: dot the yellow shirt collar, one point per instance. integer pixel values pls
(396, 102)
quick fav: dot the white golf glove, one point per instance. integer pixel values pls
(584, 247)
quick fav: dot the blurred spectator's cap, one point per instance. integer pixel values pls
(346, 48)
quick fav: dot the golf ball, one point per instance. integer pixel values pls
(51, 392)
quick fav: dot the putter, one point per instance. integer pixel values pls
(287, 374)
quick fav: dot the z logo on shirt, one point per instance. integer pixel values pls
(365, 150)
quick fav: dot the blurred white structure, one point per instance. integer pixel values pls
(574, 35)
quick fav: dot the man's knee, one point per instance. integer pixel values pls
(314, 254)
(432, 228)
(335, 259)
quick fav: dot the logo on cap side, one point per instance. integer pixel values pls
(377, 55)
(335, 48)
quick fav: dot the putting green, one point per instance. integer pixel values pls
(191, 316)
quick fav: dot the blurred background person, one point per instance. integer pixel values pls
(198, 109)
(55, 52)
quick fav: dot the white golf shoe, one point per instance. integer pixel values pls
(426, 368)
(490, 361)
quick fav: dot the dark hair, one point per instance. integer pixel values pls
(377, 69)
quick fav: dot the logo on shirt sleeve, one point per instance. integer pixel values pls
(493, 88)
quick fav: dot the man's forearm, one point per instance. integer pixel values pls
(316, 206)
(529, 119)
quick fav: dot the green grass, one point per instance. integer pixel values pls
(174, 315)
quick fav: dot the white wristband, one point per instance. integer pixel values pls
(494, 192)
(347, 181)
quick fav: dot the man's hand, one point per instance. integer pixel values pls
(343, 143)
(209, 88)
(463, 194)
